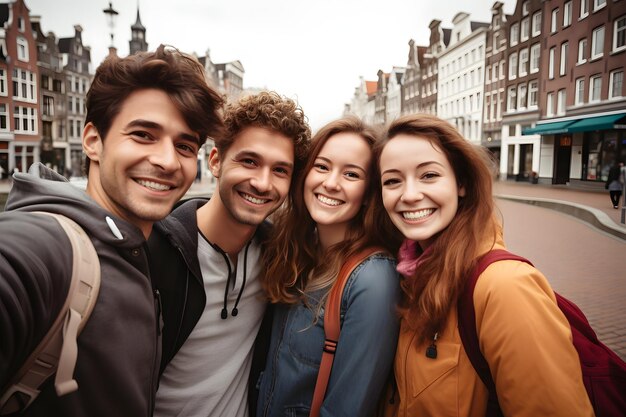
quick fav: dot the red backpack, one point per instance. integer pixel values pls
(604, 373)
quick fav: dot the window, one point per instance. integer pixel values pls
(564, 50)
(619, 34)
(496, 42)
(3, 83)
(551, 63)
(4, 118)
(514, 34)
(616, 82)
(487, 108)
(550, 104)
(48, 106)
(488, 74)
(525, 8)
(534, 58)
(24, 85)
(584, 8)
(523, 62)
(537, 24)
(512, 66)
(494, 74)
(580, 91)
(595, 85)
(25, 120)
(555, 13)
(525, 29)
(512, 99)
(521, 96)
(533, 88)
(582, 51)
(597, 42)
(567, 14)
(502, 69)
(22, 49)
(560, 102)
(598, 4)
(20, 24)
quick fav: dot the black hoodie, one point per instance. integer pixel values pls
(119, 348)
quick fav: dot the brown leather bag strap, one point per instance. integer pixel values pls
(332, 325)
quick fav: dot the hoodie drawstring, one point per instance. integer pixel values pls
(233, 275)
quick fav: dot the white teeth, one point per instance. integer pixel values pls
(254, 200)
(416, 215)
(154, 185)
(329, 201)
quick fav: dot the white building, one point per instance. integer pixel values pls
(460, 84)
(393, 106)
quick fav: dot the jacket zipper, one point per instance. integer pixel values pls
(156, 363)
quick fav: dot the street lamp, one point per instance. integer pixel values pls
(111, 14)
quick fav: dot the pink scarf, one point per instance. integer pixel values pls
(409, 257)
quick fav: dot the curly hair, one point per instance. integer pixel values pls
(179, 75)
(271, 111)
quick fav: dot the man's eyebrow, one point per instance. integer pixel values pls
(147, 124)
(256, 155)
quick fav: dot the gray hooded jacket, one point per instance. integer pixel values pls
(119, 348)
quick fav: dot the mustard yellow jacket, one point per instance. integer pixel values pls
(526, 340)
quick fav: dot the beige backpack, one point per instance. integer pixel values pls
(58, 350)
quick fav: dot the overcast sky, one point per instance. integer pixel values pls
(313, 51)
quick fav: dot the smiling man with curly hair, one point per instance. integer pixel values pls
(208, 256)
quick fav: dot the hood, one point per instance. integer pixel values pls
(45, 190)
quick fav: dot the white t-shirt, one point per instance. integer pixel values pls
(209, 374)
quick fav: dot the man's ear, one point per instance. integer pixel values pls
(215, 162)
(92, 143)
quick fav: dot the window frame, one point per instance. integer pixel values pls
(594, 43)
(612, 74)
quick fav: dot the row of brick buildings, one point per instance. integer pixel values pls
(43, 87)
(542, 88)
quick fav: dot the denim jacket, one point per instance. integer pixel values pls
(364, 356)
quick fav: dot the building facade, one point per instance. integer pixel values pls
(582, 122)
(461, 71)
(412, 80)
(19, 89)
(76, 66)
(495, 84)
(520, 154)
(393, 105)
(54, 144)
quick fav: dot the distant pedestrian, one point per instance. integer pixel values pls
(615, 183)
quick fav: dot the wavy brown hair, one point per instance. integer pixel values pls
(293, 256)
(179, 75)
(434, 288)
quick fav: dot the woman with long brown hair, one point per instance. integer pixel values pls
(336, 213)
(437, 190)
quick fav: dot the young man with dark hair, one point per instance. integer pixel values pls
(207, 259)
(147, 116)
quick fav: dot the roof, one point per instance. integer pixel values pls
(64, 45)
(478, 25)
(137, 25)
(371, 87)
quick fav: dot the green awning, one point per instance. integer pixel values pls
(596, 123)
(549, 128)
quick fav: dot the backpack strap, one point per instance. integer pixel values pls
(58, 350)
(332, 325)
(467, 324)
